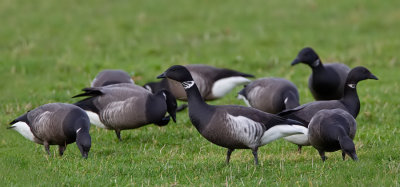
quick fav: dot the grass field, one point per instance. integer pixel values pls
(49, 50)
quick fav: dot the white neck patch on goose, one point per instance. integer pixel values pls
(352, 85)
(286, 100)
(148, 88)
(316, 63)
(187, 84)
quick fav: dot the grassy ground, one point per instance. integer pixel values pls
(49, 50)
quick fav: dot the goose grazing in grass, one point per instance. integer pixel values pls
(231, 126)
(213, 83)
(326, 82)
(332, 130)
(55, 124)
(126, 106)
(107, 77)
(349, 102)
(270, 95)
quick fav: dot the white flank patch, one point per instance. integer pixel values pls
(299, 139)
(24, 130)
(148, 88)
(77, 131)
(95, 120)
(280, 131)
(225, 85)
(244, 99)
(245, 130)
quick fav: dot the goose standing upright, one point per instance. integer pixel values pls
(55, 124)
(326, 82)
(231, 126)
(109, 76)
(126, 106)
(349, 102)
(332, 130)
(270, 95)
(213, 83)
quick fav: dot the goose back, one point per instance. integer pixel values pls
(327, 126)
(109, 77)
(271, 95)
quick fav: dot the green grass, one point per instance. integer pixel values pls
(49, 50)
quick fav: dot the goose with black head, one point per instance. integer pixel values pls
(231, 126)
(111, 76)
(332, 130)
(127, 106)
(271, 95)
(55, 124)
(349, 102)
(326, 80)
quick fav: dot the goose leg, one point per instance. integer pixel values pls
(182, 107)
(228, 155)
(61, 149)
(164, 121)
(255, 154)
(343, 155)
(322, 154)
(299, 148)
(118, 133)
(47, 147)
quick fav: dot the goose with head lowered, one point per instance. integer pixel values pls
(332, 130)
(126, 106)
(213, 83)
(110, 76)
(270, 95)
(349, 102)
(326, 80)
(231, 126)
(55, 124)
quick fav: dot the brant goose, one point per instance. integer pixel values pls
(107, 77)
(55, 124)
(231, 126)
(332, 130)
(349, 102)
(326, 81)
(126, 106)
(213, 83)
(270, 95)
